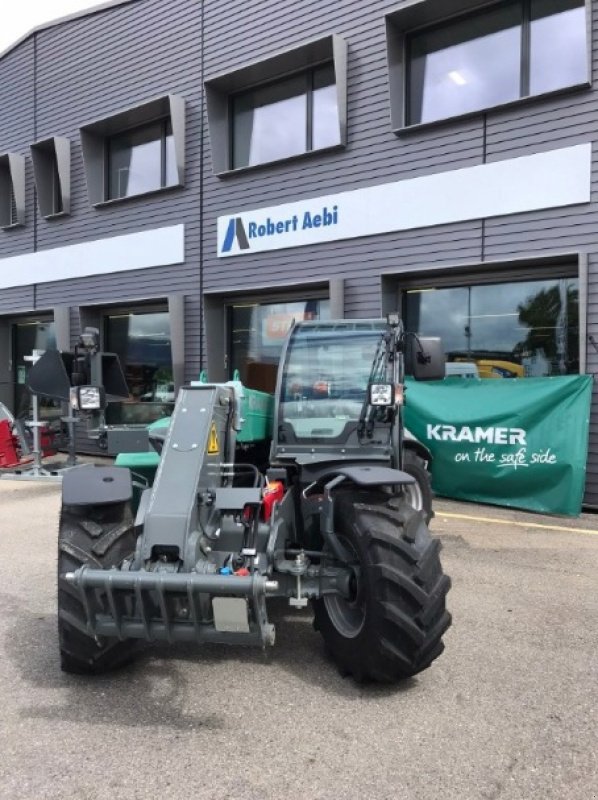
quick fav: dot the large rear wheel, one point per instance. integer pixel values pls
(391, 625)
(102, 537)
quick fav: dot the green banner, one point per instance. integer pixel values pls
(521, 443)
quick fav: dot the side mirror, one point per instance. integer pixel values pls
(424, 358)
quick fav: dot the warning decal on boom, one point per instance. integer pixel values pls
(213, 446)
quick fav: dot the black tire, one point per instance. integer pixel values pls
(419, 494)
(101, 536)
(392, 628)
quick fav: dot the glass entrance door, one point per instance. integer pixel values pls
(257, 332)
(514, 329)
(27, 336)
(141, 339)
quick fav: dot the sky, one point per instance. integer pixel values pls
(20, 17)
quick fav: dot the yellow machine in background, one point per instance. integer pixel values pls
(485, 368)
(491, 368)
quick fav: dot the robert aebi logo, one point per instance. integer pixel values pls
(243, 231)
(235, 230)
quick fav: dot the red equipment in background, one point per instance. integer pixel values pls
(9, 446)
(47, 442)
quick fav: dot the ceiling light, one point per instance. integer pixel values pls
(457, 78)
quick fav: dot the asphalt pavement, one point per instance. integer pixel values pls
(508, 711)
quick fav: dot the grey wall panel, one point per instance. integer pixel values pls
(87, 68)
(21, 298)
(375, 155)
(136, 285)
(553, 230)
(541, 124)
(16, 129)
(16, 94)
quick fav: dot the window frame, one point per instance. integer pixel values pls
(154, 306)
(12, 191)
(216, 303)
(308, 75)
(95, 135)
(21, 390)
(319, 295)
(270, 70)
(92, 315)
(394, 285)
(422, 15)
(164, 124)
(52, 174)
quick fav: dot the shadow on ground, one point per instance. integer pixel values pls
(152, 691)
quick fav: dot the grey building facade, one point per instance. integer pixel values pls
(442, 150)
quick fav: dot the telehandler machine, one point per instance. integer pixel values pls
(327, 522)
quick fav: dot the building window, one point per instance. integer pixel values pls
(288, 105)
(137, 151)
(12, 207)
(140, 160)
(503, 330)
(57, 205)
(142, 341)
(29, 335)
(495, 56)
(12, 190)
(257, 334)
(52, 170)
(286, 118)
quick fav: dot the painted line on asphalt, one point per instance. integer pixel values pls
(518, 524)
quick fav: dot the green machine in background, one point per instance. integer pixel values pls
(256, 414)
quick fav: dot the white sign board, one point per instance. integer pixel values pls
(140, 250)
(529, 183)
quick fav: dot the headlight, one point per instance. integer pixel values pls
(381, 394)
(87, 398)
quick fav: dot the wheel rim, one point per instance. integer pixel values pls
(348, 614)
(414, 495)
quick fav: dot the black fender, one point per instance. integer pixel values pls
(91, 485)
(413, 445)
(365, 475)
